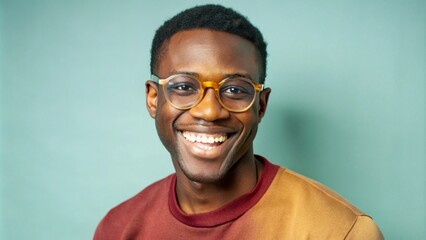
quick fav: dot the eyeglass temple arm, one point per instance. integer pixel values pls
(155, 78)
(259, 87)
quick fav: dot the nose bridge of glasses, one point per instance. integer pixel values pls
(210, 84)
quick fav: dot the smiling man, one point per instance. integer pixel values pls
(207, 97)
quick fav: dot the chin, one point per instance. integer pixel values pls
(202, 175)
(203, 179)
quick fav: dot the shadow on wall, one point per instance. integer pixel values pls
(315, 136)
(291, 138)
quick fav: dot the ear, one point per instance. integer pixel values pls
(263, 102)
(151, 92)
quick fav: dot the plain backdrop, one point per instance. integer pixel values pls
(347, 107)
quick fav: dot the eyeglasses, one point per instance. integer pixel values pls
(235, 93)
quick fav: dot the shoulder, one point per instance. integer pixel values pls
(365, 228)
(118, 217)
(153, 193)
(314, 206)
(304, 190)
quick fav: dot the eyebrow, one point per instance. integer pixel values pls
(238, 75)
(186, 73)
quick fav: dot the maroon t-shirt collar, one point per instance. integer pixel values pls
(230, 211)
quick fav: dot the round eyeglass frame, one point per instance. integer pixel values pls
(258, 87)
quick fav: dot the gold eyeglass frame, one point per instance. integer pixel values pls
(258, 87)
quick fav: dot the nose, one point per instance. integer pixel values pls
(209, 108)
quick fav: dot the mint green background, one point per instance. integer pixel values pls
(347, 107)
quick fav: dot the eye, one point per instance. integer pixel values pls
(182, 88)
(237, 89)
(234, 90)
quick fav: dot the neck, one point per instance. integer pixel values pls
(195, 197)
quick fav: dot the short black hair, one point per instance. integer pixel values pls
(211, 17)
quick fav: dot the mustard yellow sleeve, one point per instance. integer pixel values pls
(365, 229)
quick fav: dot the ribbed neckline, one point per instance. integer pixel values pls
(230, 211)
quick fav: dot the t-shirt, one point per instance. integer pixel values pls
(282, 205)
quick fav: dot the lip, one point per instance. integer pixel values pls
(202, 150)
(212, 139)
(205, 129)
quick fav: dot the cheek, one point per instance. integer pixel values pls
(256, 110)
(164, 121)
(250, 118)
(164, 126)
(252, 121)
(249, 123)
(166, 117)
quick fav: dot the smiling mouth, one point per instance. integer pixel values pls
(214, 139)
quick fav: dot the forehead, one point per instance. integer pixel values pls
(210, 54)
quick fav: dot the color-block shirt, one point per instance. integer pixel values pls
(283, 205)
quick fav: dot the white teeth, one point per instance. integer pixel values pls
(203, 138)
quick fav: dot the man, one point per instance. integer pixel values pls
(207, 97)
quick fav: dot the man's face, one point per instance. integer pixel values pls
(211, 56)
